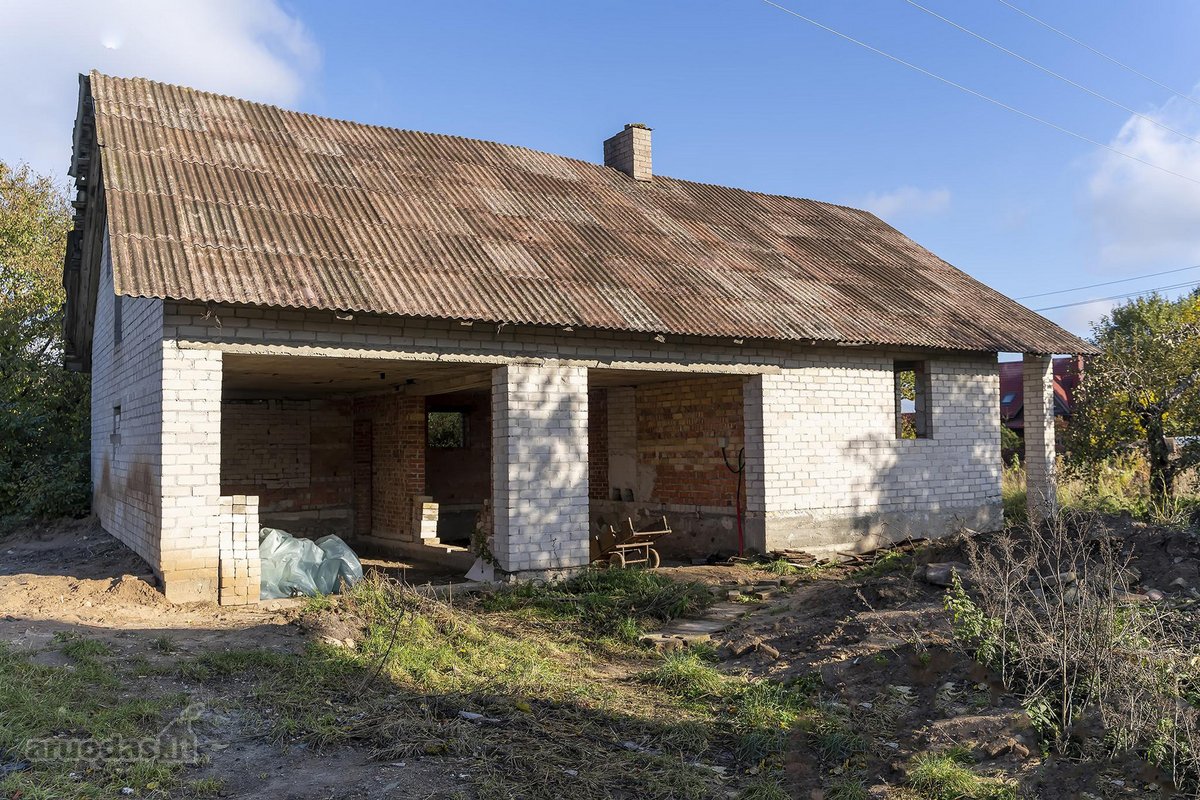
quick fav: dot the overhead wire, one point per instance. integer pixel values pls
(1107, 283)
(981, 95)
(1051, 72)
(1187, 285)
(1100, 53)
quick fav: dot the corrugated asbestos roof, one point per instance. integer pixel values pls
(212, 198)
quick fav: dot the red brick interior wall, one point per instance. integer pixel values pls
(397, 474)
(598, 444)
(296, 456)
(456, 476)
(679, 424)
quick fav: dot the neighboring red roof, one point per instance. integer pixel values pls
(1068, 370)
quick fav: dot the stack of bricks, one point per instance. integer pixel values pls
(241, 571)
(425, 517)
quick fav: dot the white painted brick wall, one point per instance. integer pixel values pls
(540, 468)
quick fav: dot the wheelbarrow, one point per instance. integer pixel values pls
(631, 546)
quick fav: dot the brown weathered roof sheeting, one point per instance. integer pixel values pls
(212, 198)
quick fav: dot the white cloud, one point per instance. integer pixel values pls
(906, 202)
(1142, 217)
(248, 48)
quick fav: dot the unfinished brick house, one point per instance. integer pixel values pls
(338, 328)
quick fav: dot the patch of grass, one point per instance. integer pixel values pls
(764, 787)
(608, 602)
(163, 644)
(948, 776)
(765, 714)
(836, 738)
(847, 787)
(86, 649)
(686, 675)
(39, 701)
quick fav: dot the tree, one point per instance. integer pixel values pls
(43, 407)
(1143, 389)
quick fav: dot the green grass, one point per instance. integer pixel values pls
(39, 701)
(617, 603)
(948, 776)
(686, 675)
(847, 787)
(889, 561)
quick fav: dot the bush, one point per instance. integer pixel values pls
(1095, 668)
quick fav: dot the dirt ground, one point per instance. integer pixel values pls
(879, 641)
(73, 578)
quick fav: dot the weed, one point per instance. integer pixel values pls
(764, 787)
(86, 649)
(686, 675)
(847, 787)
(607, 602)
(948, 776)
(888, 561)
(163, 644)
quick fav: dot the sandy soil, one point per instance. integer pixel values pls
(73, 578)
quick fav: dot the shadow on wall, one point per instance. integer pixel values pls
(900, 488)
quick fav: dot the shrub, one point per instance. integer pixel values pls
(1095, 670)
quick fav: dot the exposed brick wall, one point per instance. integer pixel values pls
(598, 444)
(825, 466)
(679, 427)
(127, 466)
(457, 476)
(397, 461)
(264, 444)
(296, 456)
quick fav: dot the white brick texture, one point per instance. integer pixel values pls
(540, 468)
(1041, 494)
(825, 467)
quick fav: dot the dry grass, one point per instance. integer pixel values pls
(1098, 671)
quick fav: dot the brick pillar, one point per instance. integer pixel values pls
(1041, 493)
(539, 468)
(190, 540)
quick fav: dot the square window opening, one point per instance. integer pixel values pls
(446, 429)
(913, 406)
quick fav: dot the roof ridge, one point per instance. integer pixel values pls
(493, 142)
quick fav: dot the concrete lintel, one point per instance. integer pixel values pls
(309, 351)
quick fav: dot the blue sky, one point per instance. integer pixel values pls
(737, 92)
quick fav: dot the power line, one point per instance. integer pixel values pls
(1107, 283)
(1187, 285)
(981, 95)
(1100, 53)
(1051, 72)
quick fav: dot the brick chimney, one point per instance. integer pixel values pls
(629, 151)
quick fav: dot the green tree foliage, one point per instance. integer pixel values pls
(43, 408)
(1143, 389)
